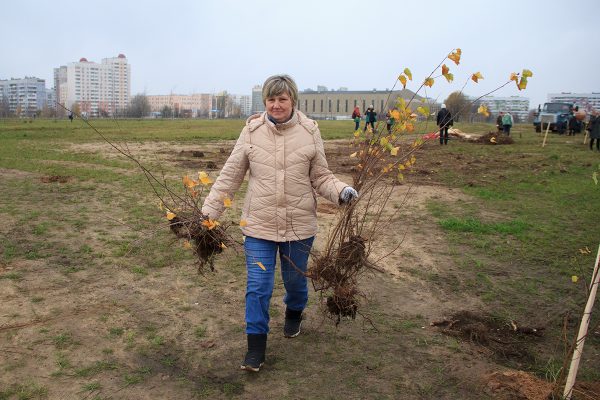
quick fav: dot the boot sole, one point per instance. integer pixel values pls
(295, 334)
(251, 369)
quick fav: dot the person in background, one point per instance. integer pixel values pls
(370, 118)
(283, 151)
(389, 121)
(507, 123)
(444, 121)
(356, 117)
(499, 122)
(594, 129)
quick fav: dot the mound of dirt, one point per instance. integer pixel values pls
(55, 178)
(495, 138)
(506, 340)
(517, 385)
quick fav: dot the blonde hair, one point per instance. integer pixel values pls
(278, 84)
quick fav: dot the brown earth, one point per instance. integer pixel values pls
(71, 321)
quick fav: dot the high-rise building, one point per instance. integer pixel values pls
(245, 105)
(98, 89)
(587, 101)
(257, 102)
(24, 97)
(516, 105)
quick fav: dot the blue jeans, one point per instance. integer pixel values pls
(294, 259)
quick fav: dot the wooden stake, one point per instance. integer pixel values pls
(586, 133)
(546, 135)
(583, 329)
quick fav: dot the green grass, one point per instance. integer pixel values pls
(473, 225)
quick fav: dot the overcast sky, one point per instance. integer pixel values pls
(199, 46)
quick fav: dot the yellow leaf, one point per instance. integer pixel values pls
(585, 250)
(383, 141)
(261, 265)
(210, 223)
(243, 223)
(523, 83)
(223, 245)
(227, 202)
(402, 80)
(356, 134)
(395, 114)
(428, 82)
(204, 178)
(527, 73)
(394, 151)
(455, 56)
(401, 167)
(493, 139)
(514, 76)
(449, 77)
(400, 177)
(483, 110)
(413, 159)
(410, 127)
(423, 110)
(353, 155)
(170, 215)
(161, 205)
(445, 69)
(188, 182)
(574, 278)
(476, 77)
(408, 73)
(187, 244)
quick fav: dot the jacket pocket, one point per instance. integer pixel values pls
(247, 204)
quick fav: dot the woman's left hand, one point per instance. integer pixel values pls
(348, 195)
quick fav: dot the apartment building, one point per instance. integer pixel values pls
(192, 105)
(257, 102)
(516, 105)
(23, 97)
(587, 101)
(245, 102)
(98, 89)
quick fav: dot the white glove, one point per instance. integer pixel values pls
(348, 195)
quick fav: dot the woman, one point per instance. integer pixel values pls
(283, 151)
(356, 117)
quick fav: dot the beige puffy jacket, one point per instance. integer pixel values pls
(287, 166)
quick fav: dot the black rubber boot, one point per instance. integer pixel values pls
(255, 357)
(293, 322)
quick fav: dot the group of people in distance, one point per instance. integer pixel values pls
(444, 121)
(504, 122)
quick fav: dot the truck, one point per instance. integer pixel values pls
(560, 116)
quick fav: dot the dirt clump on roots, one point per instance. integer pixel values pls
(205, 239)
(336, 274)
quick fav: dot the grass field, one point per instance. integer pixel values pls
(99, 301)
